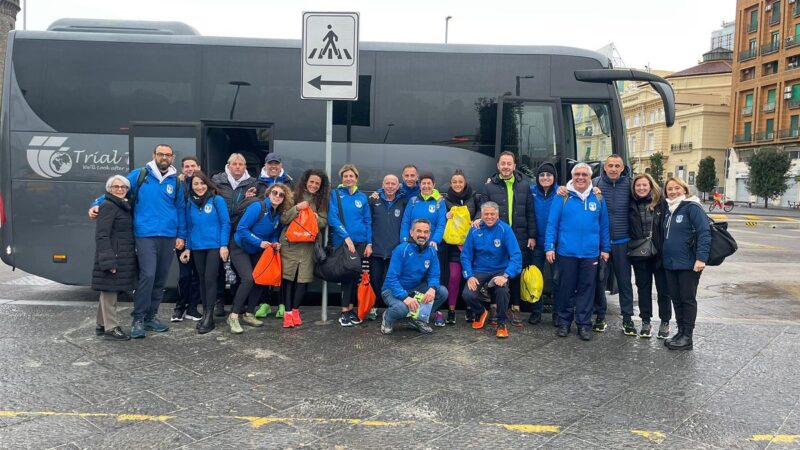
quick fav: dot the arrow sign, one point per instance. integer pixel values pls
(318, 83)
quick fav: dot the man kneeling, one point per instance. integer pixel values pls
(412, 282)
(490, 256)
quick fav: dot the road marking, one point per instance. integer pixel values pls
(718, 216)
(654, 436)
(526, 428)
(777, 438)
(119, 417)
(258, 422)
(752, 217)
(761, 233)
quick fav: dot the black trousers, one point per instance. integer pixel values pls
(378, 267)
(189, 291)
(293, 293)
(501, 296)
(207, 263)
(350, 289)
(645, 272)
(682, 285)
(244, 262)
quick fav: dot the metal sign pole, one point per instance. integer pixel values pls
(328, 162)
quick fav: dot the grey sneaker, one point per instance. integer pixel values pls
(372, 314)
(420, 326)
(646, 331)
(663, 330)
(236, 327)
(155, 325)
(250, 319)
(386, 326)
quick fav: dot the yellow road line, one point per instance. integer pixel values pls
(654, 436)
(258, 422)
(752, 217)
(526, 428)
(777, 438)
(718, 216)
(120, 417)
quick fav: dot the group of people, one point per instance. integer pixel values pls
(575, 234)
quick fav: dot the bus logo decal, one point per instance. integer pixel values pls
(47, 157)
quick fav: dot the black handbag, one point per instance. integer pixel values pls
(642, 249)
(320, 255)
(340, 266)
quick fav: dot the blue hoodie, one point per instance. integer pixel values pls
(687, 225)
(409, 192)
(491, 250)
(209, 226)
(410, 266)
(433, 209)
(357, 215)
(159, 208)
(541, 208)
(253, 229)
(578, 228)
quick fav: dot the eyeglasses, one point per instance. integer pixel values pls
(165, 155)
(574, 175)
(119, 187)
(278, 194)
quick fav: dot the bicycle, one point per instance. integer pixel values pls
(726, 206)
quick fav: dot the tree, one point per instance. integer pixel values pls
(768, 168)
(657, 167)
(707, 176)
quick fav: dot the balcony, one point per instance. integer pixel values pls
(793, 65)
(747, 111)
(765, 136)
(747, 54)
(792, 41)
(775, 19)
(793, 103)
(769, 107)
(772, 47)
(682, 147)
(790, 133)
(742, 138)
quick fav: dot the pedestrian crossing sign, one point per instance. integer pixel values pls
(330, 56)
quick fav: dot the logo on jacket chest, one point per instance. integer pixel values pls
(592, 206)
(431, 209)
(497, 243)
(207, 209)
(170, 189)
(397, 213)
(359, 204)
(679, 218)
(427, 263)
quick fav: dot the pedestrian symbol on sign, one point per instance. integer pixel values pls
(330, 49)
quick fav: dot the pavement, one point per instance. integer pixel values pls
(323, 386)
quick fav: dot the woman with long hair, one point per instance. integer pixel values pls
(297, 258)
(351, 225)
(459, 193)
(208, 233)
(645, 215)
(259, 228)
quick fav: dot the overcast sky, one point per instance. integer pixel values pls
(668, 35)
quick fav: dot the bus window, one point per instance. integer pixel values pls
(592, 130)
(529, 132)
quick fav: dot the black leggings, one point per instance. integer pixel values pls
(293, 293)
(207, 264)
(244, 262)
(350, 289)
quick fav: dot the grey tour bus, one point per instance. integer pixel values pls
(87, 99)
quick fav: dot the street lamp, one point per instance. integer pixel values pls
(446, 27)
(238, 85)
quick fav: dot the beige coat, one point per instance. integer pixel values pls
(298, 257)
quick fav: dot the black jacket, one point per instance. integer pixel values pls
(234, 198)
(471, 202)
(115, 247)
(618, 197)
(524, 220)
(386, 221)
(642, 219)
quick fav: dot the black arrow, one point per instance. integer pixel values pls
(317, 83)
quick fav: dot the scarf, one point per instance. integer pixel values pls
(201, 200)
(583, 195)
(234, 182)
(460, 197)
(673, 204)
(157, 172)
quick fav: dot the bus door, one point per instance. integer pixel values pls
(221, 138)
(530, 129)
(184, 137)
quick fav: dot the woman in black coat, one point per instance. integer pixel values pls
(115, 267)
(646, 212)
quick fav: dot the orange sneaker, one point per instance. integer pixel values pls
(288, 322)
(480, 321)
(296, 320)
(502, 331)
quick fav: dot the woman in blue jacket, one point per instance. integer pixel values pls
(208, 231)
(430, 205)
(543, 193)
(687, 240)
(350, 220)
(259, 228)
(577, 230)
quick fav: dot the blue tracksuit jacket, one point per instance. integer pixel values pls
(491, 250)
(433, 209)
(159, 210)
(209, 226)
(688, 224)
(356, 213)
(253, 229)
(541, 208)
(410, 266)
(578, 228)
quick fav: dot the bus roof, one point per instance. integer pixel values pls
(294, 43)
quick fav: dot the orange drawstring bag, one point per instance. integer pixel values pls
(268, 270)
(303, 228)
(366, 296)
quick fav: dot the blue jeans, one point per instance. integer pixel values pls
(540, 261)
(155, 257)
(397, 310)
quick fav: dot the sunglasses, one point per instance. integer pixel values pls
(123, 188)
(278, 194)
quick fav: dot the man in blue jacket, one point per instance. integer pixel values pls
(615, 186)
(490, 258)
(188, 278)
(159, 227)
(577, 231)
(273, 171)
(414, 267)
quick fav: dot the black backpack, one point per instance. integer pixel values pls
(722, 243)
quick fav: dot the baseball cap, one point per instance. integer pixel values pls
(273, 157)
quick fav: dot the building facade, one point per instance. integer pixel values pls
(723, 37)
(765, 92)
